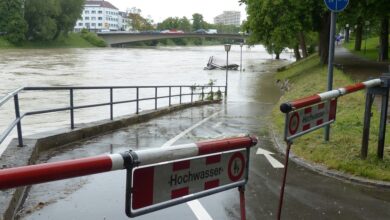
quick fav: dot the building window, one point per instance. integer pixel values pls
(93, 12)
(100, 18)
(87, 18)
(86, 12)
(93, 24)
(93, 18)
(100, 12)
(99, 24)
(80, 24)
(87, 24)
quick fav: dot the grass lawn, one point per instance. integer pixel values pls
(372, 47)
(342, 152)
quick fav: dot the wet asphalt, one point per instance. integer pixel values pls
(308, 195)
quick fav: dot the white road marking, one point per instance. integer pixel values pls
(271, 160)
(196, 207)
(218, 124)
(173, 140)
(199, 210)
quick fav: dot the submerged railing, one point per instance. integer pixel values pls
(173, 91)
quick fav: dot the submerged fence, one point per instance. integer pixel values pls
(168, 92)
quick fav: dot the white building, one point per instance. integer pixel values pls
(101, 15)
(228, 18)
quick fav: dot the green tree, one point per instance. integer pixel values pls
(175, 23)
(70, 11)
(271, 25)
(185, 24)
(198, 22)
(284, 23)
(373, 12)
(40, 15)
(12, 22)
(138, 22)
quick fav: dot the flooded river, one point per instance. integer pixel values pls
(111, 67)
(252, 95)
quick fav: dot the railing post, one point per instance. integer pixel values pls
(202, 93)
(192, 94)
(19, 125)
(180, 96)
(212, 94)
(137, 101)
(155, 98)
(111, 105)
(71, 109)
(170, 96)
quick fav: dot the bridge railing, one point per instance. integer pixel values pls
(192, 92)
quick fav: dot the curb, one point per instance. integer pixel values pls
(323, 170)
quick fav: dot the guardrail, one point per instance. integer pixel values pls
(183, 90)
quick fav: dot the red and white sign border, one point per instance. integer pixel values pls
(243, 172)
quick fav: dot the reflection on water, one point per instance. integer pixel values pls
(114, 67)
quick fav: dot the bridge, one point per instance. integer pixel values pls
(112, 38)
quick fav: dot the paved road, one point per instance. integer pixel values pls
(308, 195)
(357, 67)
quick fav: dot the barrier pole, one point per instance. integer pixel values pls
(46, 172)
(284, 180)
(241, 189)
(320, 97)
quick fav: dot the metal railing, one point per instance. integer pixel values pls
(191, 90)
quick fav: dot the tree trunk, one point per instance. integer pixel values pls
(358, 37)
(347, 35)
(384, 39)
(296, 52)
(323, 49)
(277, 56)
(302, 44)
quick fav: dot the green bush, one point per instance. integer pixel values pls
(93, 38)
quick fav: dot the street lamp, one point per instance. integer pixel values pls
(241, 44)
(227, 49)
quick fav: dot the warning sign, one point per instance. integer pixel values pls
(159, 183)
(236, 166)
(307, 119)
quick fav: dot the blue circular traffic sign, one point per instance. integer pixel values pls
(336, 5)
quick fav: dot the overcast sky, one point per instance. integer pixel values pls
(161, 9)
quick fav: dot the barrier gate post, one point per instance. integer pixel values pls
(241, 190)
(383, 91)
(289, 143)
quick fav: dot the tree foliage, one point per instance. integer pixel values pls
(286, 23)
(198, 22)
(11, 20)
(138, 22)
(183, 24)
(38, 19)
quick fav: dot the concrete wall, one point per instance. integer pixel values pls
(13, 156)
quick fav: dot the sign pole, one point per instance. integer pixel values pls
(284, 180)
(241, 189)
(330, 61)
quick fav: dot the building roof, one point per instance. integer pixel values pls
(101, 3)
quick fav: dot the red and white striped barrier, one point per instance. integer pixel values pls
(168, 181)
(317, 98)
(33, 174)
